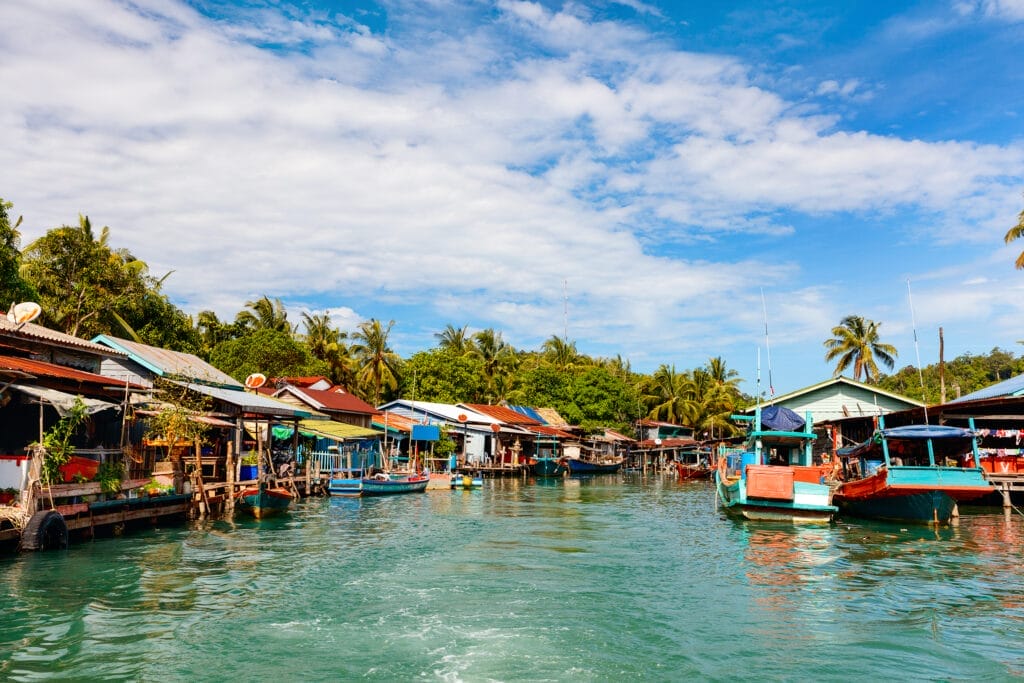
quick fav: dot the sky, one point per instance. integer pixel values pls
(660, 181)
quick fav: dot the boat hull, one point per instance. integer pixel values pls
(783, 499)
(585, 467)
(348, 488)
(688, 471)
(912, 494)
(548, 467)
(389, 487)
(265, 502)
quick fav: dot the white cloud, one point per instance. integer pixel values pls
(468, 170)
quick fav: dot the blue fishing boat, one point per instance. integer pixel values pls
(773, 478)
(915, 473)
(388, 485)
(548, 467)
(265, 501)
(351, 487)
(582, 466)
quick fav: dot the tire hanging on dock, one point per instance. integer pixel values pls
(46, 530)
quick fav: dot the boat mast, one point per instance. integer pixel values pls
(920, 374)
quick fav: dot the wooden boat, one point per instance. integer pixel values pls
(264, 501)
(694, 464)
(773, 478)
(581, 466)
(387, 485)
(467, 481)
(916, 473)
(548, 467)
(348, 487)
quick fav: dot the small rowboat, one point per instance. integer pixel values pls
(385, 485)
(263, 501)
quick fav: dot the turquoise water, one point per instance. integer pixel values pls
(608, 578)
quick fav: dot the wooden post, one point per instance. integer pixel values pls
(205, 501)
(308, 471)
(229, 499)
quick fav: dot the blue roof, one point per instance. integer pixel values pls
(528, 412)
(1009, 387)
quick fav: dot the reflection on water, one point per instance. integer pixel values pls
(598, 578)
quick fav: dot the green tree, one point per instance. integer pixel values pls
(603, 399)
(327, 343)
(264, 314)
(85, 287)
(497, 359)
(666, 395)
(455, 339)
(562, 353)
(272, 352)
(442, 376)
(1016, 233)
(855, 342)
(378, 365)
(13, 289)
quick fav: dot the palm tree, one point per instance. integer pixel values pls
(1015, 233)
(561, 353)
(265, 315)
(668, 395)
(328, 344)
(856, 343)
(378, 365)
(497, 357)
(455, 339)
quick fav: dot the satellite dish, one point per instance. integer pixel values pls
(25, 312)
(495, 428)
(255, 380)
(462, 417)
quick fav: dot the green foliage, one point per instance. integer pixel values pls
(271, 352)
(856, 344)
(175, 405)
(56, 443)
(445, 445)
(963, 375)
(110, 475)
(250, 458)
(13, 289)
(603, 399)
(443, 375)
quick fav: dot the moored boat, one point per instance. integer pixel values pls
(581, 466)
(915, 473)
(773, 478)
(265, 501)
(351, 487)
(548, 467)
(387, 485)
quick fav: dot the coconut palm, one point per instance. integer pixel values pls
(378, 365)
(497, 357)
(328, 344)
(561, 353)
(455, 339)
(1016, 233)
(856, 343)
(264, 315)
(667, 395)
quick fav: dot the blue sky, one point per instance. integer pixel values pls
(636, 173)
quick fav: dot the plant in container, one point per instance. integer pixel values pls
(248, 469)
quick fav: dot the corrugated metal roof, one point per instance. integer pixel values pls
(502, 414)
(394, 422)
(337, 430)
(248, 402)
(528, 412)
(333, 400)
(1008, 387)
(444, 411)
(39, 333)
(550, 416)
(166, 363)
(38, 368)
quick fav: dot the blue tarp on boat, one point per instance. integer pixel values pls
(781, 419)
(927, 432)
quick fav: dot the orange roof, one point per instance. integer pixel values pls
(394, 421)
(502, 414)
(40, 369)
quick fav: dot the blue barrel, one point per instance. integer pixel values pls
(747, 459)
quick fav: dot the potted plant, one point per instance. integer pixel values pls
(248, 470)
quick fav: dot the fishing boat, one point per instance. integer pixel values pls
(548, 467)
(264, 501)
(390, 484)
(351, 487)
(467, 481)
(604, 466)
(915, 473)
(694, 464)
(773, 478)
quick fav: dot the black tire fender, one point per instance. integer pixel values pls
(46, 530)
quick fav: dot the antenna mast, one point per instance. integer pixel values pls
(917, 351)
(565, 311)
(767, 347)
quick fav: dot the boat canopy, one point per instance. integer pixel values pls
(926, 432)
(781, 419)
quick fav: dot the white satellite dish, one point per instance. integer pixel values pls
(25, 312)
(255, 380)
